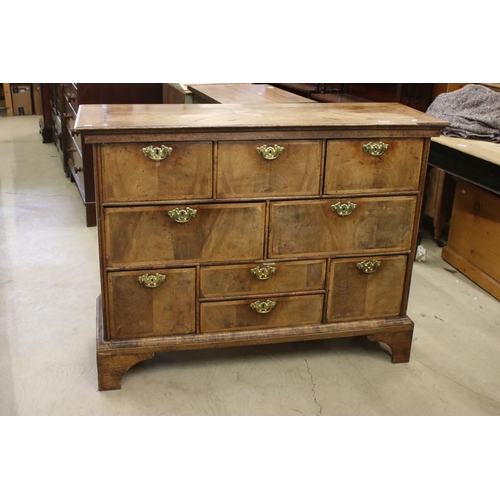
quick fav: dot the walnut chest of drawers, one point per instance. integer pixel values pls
(235, 225)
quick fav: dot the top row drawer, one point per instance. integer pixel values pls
(257, 169)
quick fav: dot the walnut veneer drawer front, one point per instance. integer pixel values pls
(268, 168)
(253, 314)
(378, 166)
(145, 236)
(150, 304)
(156, 171)
(262, 278)
(354, 225)
(366, 288)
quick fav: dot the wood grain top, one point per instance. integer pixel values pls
(245, 93)
(120, 118)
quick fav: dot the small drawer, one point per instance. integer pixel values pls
(366, 288)
(156, 171)
(271, 168)
(262, 278)
(341, 226)
(376, 166)
(254, 314)
(146, 236)
(151, 303)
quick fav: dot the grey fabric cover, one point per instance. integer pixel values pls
(473, 111)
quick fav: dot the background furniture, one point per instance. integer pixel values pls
(414, 95)
(236, 225)
(177, 93)
(473, 245)
(76, 157)
(242, 93)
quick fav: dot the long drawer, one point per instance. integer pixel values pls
(348, 226)
(157, 235)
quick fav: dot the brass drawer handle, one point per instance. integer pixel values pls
(157, 153)
(263, 306)
(375, 149)
(264, 272)
(344, 209)
(182, 215)
(151, 280)
(270, 152)
(369, 266)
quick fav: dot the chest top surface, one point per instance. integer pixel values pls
(151, 118)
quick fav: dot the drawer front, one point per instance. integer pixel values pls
(129, 174)
(146, 236)
(359, 166)
(243, 172)
(74, 157)
(151, 304)
(262, 278)
(69, 115)
(313, 228)
(70, 93)
(240, 315)
(365, 288)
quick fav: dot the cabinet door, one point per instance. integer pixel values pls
(376, 166)
(341, 226)
(257, 169)
(151, 303)
(144, 236)
(165, 171)
(365, 288)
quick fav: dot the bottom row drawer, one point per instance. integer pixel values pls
(153, 304)
(254, 314)
(366, 289)
(164, 302)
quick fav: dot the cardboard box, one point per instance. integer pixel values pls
(37, 98)
(21, 98)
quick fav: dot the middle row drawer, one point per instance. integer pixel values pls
(238, 232)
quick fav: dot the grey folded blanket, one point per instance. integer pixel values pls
(473, 112)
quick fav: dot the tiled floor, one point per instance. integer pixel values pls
(49, 281)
